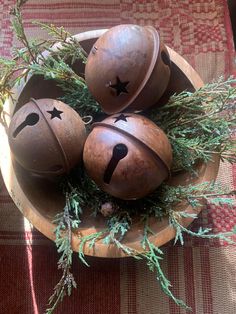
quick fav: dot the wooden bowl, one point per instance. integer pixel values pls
(40, 200)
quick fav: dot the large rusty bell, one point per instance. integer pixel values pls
(47, 137)
(128, 68)
(127, 155)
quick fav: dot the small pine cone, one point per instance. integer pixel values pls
(107, 209)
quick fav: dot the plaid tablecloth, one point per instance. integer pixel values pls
(203, 273)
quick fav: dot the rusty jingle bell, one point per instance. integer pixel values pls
(47, 137)
(127, 156)
(128, 68)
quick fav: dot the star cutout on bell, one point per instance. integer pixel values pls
(122, 117)
(120, 86)
(55, 113)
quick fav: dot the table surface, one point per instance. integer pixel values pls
(202, 272)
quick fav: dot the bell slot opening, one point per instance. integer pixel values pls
(30, 120)
(119, 152)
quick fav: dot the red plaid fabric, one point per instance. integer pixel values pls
(202, 272)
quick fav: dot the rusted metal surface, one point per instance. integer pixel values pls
(46, 137)
(128, 68)
(127, 155)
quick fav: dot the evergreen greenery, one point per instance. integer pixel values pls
(198, 124)
(65, 221)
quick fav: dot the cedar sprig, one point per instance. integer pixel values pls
(200, 123)
(117, 227)
(91, 239)
(80, 99)
(58, 70)
(119, 224)
(153, 256)
(174, 220)
(167, 197)
(69, 49)
(7, 68)
(194, 193)
(65, 222)
(31, 60)
(18, 28)
(90, 194)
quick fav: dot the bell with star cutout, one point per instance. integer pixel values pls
(128, 68)
(127, 156)
(47, 137)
